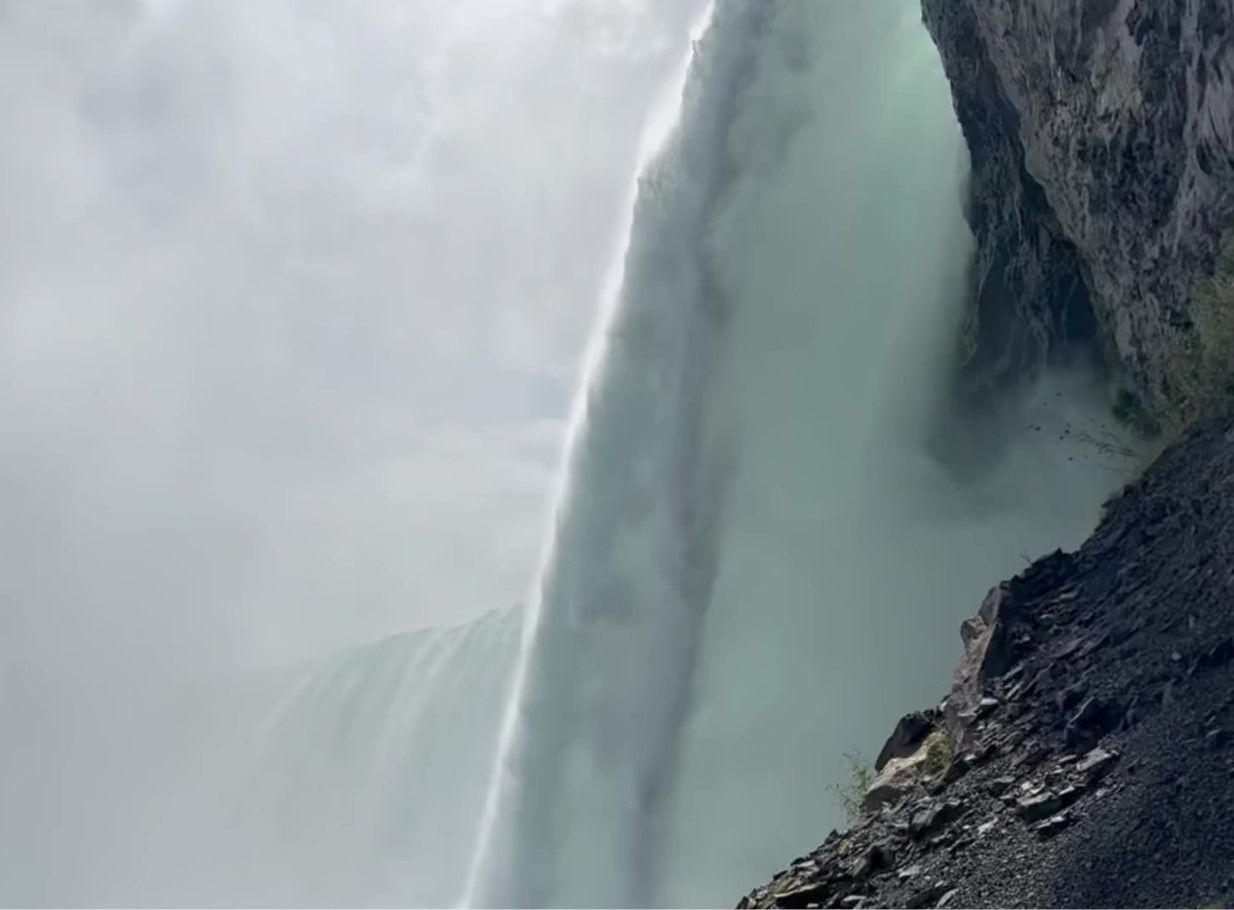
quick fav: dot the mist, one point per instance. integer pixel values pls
(302, 303)
(768, 536)
(293, 297)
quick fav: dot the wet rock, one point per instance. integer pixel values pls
(1070, 697)
(1096, 763)
(1093, 719)
(973, 759)
(877, 858)
(1034, 808)
(928, 897)
(1054, 824)
(1217, 656)
(1217, 739)
(1032, 754)
(933, 817)
(813, 894)
(1000, 785)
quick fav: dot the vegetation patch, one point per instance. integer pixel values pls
(850, 793)
(939, 754)
(1200, 380)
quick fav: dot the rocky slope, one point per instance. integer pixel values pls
(1102, 140)
(1085, 754)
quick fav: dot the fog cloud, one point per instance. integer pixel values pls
(294, 295)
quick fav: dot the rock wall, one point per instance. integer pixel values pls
(1102, 140)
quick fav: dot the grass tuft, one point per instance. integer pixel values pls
(850, 793)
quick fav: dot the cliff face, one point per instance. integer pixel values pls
(1102, 140)
(1085, 754)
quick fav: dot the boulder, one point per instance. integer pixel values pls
(988, 653)
(1053, 824)
(898, 778)
(876, 859)
(1043, 805)
(933, 817)
(805, 896)
(1093, 719)
(1096, 763)
(910, 731)
(1035, 808)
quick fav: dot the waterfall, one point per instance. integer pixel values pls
(371, 771)
(773, 510)
(591, 735)
(762, 551)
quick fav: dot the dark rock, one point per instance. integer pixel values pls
(1068, 649)
(928, 897)
(1000, 785)
(970, 760)
(909, 732)
(1096, 763)
(988, 652)
(1070, 697)
(1035, 808)
(1054, 824)
(1032, 754)
(876, 859)
(1217, 656)
(933, 816)
(1217, 739)
(812, 894)
(1091, 721)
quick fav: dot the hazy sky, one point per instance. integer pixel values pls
(293, 296)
